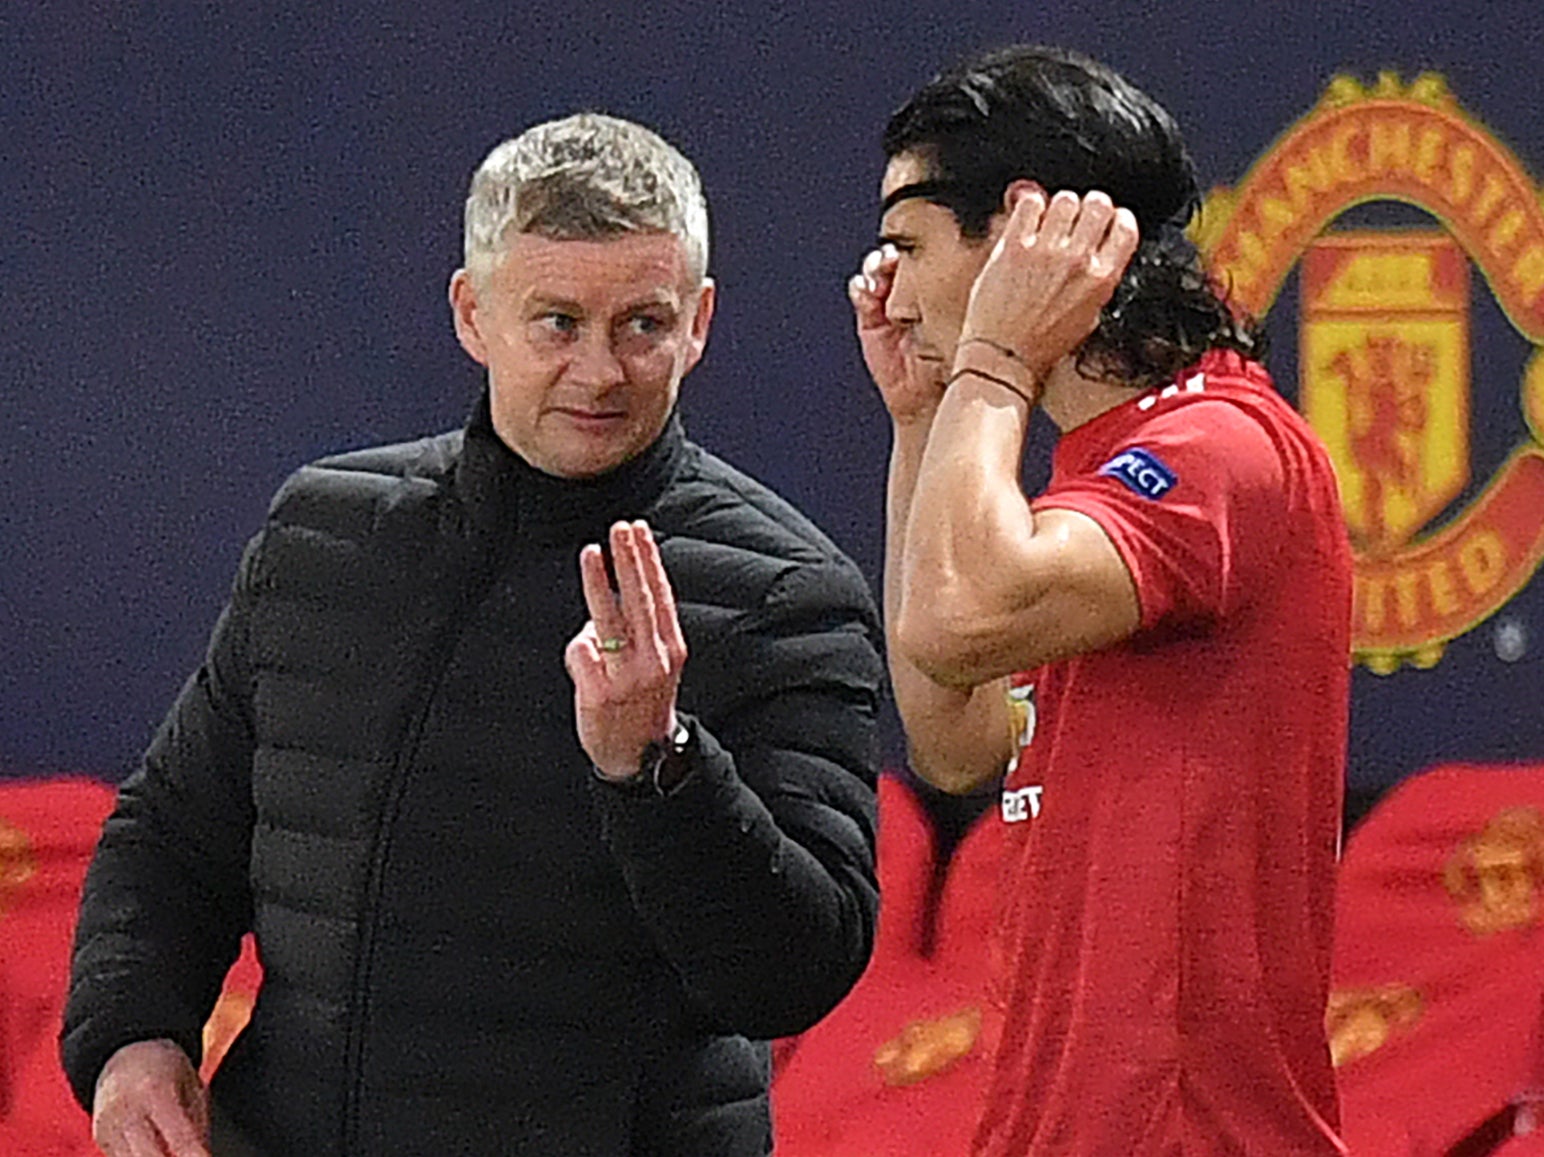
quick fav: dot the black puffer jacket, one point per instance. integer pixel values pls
(470, 945)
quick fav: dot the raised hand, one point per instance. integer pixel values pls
(1053, 269)
(909, 393)
(149, 1103)
(626, 661)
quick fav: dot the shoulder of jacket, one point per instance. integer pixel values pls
(720, 522)
(344, 494)
(714, 502)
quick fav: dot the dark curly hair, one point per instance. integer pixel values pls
(1067, 122)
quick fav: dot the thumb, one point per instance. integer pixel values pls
(586, 666)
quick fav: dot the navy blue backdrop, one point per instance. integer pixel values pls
(227, 231)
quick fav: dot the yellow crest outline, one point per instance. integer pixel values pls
(1412, 144)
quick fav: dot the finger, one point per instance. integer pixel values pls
(866, 305)
(1060, 213)
(177, 1129)
(884, 272)
(1024, 221)
(1018, 190)
(637, 600)
(1118, 247)
(180, 1134)
(1092, 225)
(870, 286)
(133, 1138)
(870, 265)
(667, 621)
(196, 1100)
(598, 595)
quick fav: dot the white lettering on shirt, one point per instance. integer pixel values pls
(1022, 804)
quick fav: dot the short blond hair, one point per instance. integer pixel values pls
(585, 177)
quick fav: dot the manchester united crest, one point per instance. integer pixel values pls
(1384, 344)
(1495, 876)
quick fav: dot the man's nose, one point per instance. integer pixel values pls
(595, 362)
(901, 306)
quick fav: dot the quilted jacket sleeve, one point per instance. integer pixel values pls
(757, 876)
(166, 898)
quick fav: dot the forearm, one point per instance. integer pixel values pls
(167, 897)
(768, 918)
(153, 977)
(957, 737)
(918, 697)
(972, 562)
(152, 945)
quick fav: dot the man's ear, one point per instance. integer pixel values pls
(1017, 188)
(702, 319)
(1015, 192)
(463, 312)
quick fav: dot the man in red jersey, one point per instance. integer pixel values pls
(1153, 651)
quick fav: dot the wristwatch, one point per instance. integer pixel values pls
(664, 766)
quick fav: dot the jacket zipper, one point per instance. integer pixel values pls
(442, 651)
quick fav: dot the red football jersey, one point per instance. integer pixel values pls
(1172, 819)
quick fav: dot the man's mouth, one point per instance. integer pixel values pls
(584, 417)
(912, 348)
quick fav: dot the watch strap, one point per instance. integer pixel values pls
(663, 767)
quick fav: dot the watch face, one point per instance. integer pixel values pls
(681, 737)
(667, 767)
(663, 766)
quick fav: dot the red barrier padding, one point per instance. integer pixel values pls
(1439, 960)
(898, 1069)
(48, 831)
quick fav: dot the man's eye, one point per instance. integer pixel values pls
(560, 322)
(647, 324)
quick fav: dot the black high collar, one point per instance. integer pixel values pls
(504, 494)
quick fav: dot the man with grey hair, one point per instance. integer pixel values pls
(501, 909)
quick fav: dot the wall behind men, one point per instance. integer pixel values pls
(227, 231)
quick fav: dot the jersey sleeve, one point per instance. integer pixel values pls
(1187, 499)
